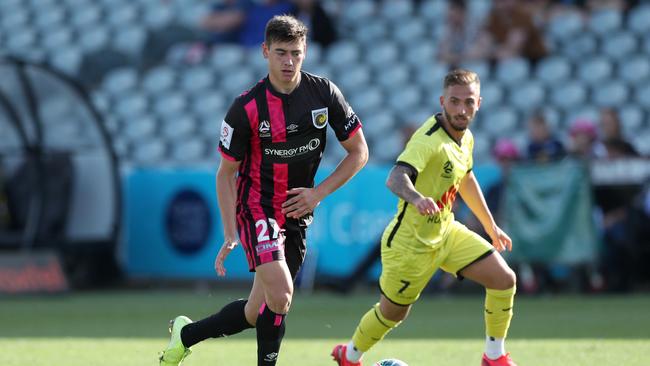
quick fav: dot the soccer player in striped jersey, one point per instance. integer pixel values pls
(423, 236)
(271, 144)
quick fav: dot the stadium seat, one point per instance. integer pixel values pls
(433, 10)
(196, 80)
(632, 119)
(638, 19)
(500, 121)
(48, 17)
(584, 112)
(122, 15)
(429, 76)
(170, 105)
(553, 70)
(21, 39)
(157, 16)
(420, 52)
(527, 96)
(642, 95)
(640, 142)
(565, 26)
(19, 19)
(393, 78)
(130, 40)
(368, 101)
(139, 128)
(405, 100)
(482, 146)
(237, 81)
(357, 12)
(159, 80)
(611, 93)
(314, 55)
(605, 21)
(149, 152)
(178, 127)
(492, 95)
(67, 60)
(635, 69)
(619, 46)
(595, 70)
(120, 81)
(568, 95)
(382, 54)
(354, 78)
(322, 70)
(227, 56)
(93, 38)
(210, 105)
(189, 150)
(482, 68)
(342, 54)
(130, 105)
(375, 30)
(512, 71)
(387, 148)
(56, 39)
(580, 47)
(396, 11)
(408, 34)
(85, 16)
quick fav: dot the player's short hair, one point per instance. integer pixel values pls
(461, 77)
(284, 28)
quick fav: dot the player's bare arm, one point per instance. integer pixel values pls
(305, 200)
(473, 196)
(227, 196)
(399, 182)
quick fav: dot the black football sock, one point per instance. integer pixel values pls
(270, 330)
(231, 319)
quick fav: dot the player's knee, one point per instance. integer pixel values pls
(279, 302)
(508, 279)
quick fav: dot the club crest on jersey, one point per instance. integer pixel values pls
(264, 129)
(448, 168)
(319, 117)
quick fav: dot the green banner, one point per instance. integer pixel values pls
(548, 213)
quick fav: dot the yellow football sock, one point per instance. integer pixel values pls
(371, 329)
(498, 311)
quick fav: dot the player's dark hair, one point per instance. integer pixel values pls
(284, 28)
(461, 77)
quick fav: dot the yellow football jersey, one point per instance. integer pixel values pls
(440, 163)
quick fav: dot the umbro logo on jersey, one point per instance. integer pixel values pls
(264, 129)
(447, 168)
(292, 128)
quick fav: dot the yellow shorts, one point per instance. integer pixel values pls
(406, 272)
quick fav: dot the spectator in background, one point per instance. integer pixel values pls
(510, 32)
(321, 27)
(458, 41)
(543, 145)
(584, 140)
(223, 23)
(616, 146)
(258, 14)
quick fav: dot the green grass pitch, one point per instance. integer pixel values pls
(130, 327)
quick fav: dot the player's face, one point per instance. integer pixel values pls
(285, 60)
(460, 104)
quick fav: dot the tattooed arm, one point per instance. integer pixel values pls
(400, 182)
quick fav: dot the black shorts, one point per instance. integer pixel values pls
(266, 246)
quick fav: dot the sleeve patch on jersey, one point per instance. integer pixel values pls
(226, 134)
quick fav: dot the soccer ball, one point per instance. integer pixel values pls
(391, 362)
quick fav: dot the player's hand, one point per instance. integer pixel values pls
(426, 206)
(304, 201)
(500, 240)
(226, 248)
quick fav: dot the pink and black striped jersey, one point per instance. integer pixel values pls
(279, 139)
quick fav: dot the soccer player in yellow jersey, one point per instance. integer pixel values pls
(423, 236)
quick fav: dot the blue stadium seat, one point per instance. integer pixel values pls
(642, 96)
(404, 101)
(595, 70)
(482, 68)
(492, 94)
(170, 105)
(157, 16)
(189, 150)
(139, 128)
(635, 70)
(159, 80)
(210, 105)
(67, 60)
(120, 81)
(433, 10)
(149, 152)
(356, 77)
(178, 127)
(527, 96)
(632, 119)
(368, 101)
(121, 15)
(393, 78)
(619, 46)
(396, 11)
(500, 121)
(638, 19)
(85, 16)
(342, 54)
(373, 31)
(228, 56)
(640, 142)
(580, 47)
(130, 105)
(553, 70)
(612, 93)
(196, 80)
(586, 112)
(408, 34)
(513, 71)
(429, 76)
(420, 52)
(48, 17)
(387, 148)
(56, 38)
(382, 54)
(237, 81)
(605, 21)
(94, 38)
(314, 55)
(357, 12)
(569, 94)
(565, 26)
(130, 39)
